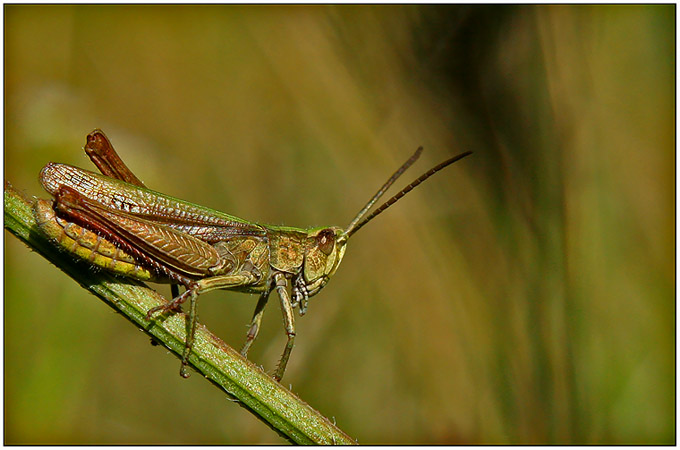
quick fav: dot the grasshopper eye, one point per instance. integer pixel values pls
(325, 241)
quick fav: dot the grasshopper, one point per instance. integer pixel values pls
(114, 222)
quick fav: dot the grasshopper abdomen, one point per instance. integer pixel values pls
(88, 245)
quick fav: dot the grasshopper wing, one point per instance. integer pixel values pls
(171, 252)
(111, 194)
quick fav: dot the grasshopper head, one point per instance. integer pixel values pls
(322, 258)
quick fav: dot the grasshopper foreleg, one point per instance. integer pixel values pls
(288, 323)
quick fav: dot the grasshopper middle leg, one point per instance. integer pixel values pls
(254, 328)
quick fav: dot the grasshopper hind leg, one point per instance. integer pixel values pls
(194, 289)
(191, 333)
(190, 294)
(191, 329)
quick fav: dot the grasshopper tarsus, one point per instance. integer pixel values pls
(184, 371)
(174, 306)
(160, 309)
(163, 308)
(167, 239)
(253, 330)
(283, 362)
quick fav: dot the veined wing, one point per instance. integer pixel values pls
(171, 252)
(199, 221)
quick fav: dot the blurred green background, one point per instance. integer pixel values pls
(523, 295)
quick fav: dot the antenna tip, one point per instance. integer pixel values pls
(413, 157)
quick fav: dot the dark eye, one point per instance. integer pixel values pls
(325, 241)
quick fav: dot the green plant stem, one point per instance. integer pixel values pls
(240, 379)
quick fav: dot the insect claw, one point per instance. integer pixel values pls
(175, 305)
(172, 306)
(303, 305)
(153, 310)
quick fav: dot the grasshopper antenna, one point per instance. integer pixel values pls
(358, 222)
